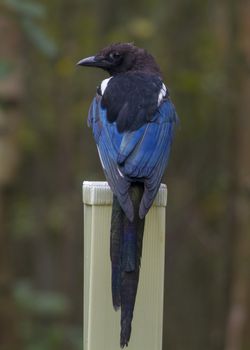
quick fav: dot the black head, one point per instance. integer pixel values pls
(120, 58)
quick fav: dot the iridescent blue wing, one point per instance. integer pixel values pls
(139, 155)
(108, 141)
(149, 157)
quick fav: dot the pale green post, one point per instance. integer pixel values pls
(101, 322)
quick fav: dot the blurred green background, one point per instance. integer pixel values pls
(46, 151)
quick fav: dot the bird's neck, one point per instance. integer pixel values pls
(146, 63)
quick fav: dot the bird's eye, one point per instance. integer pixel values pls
(114, 55)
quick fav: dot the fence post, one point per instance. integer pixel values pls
(101, 322)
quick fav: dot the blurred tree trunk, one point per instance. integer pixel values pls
(9, 339)
(238, 332)
(10, 91)
(196, 308)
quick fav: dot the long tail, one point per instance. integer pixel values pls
(125, 251)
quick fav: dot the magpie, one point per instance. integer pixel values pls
(133, 121)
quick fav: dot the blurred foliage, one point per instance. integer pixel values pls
(195, 46)
(5, 68)
(39, 303)
(39, 328)
(26, 8)
(28, 14)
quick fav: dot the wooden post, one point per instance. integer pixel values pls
(101, 322)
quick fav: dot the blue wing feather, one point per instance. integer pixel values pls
(139, 155)
(108, 141)
(128, 144)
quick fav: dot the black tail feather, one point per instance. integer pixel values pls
(115, 251)
(125, 251)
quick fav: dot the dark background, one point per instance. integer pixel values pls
(46, 151)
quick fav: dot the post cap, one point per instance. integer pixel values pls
(99, 193)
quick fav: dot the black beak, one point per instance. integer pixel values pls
(89, 62)
(94, 61)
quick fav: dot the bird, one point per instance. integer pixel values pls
(133, 121)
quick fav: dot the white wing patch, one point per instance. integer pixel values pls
(119, 171)
(100, 158)
(162, 93)
(104, 84)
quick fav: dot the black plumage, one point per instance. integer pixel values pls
(133, 119)
(131, 99)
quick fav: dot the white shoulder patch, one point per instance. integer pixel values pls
(104, 84)
(162, 93)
